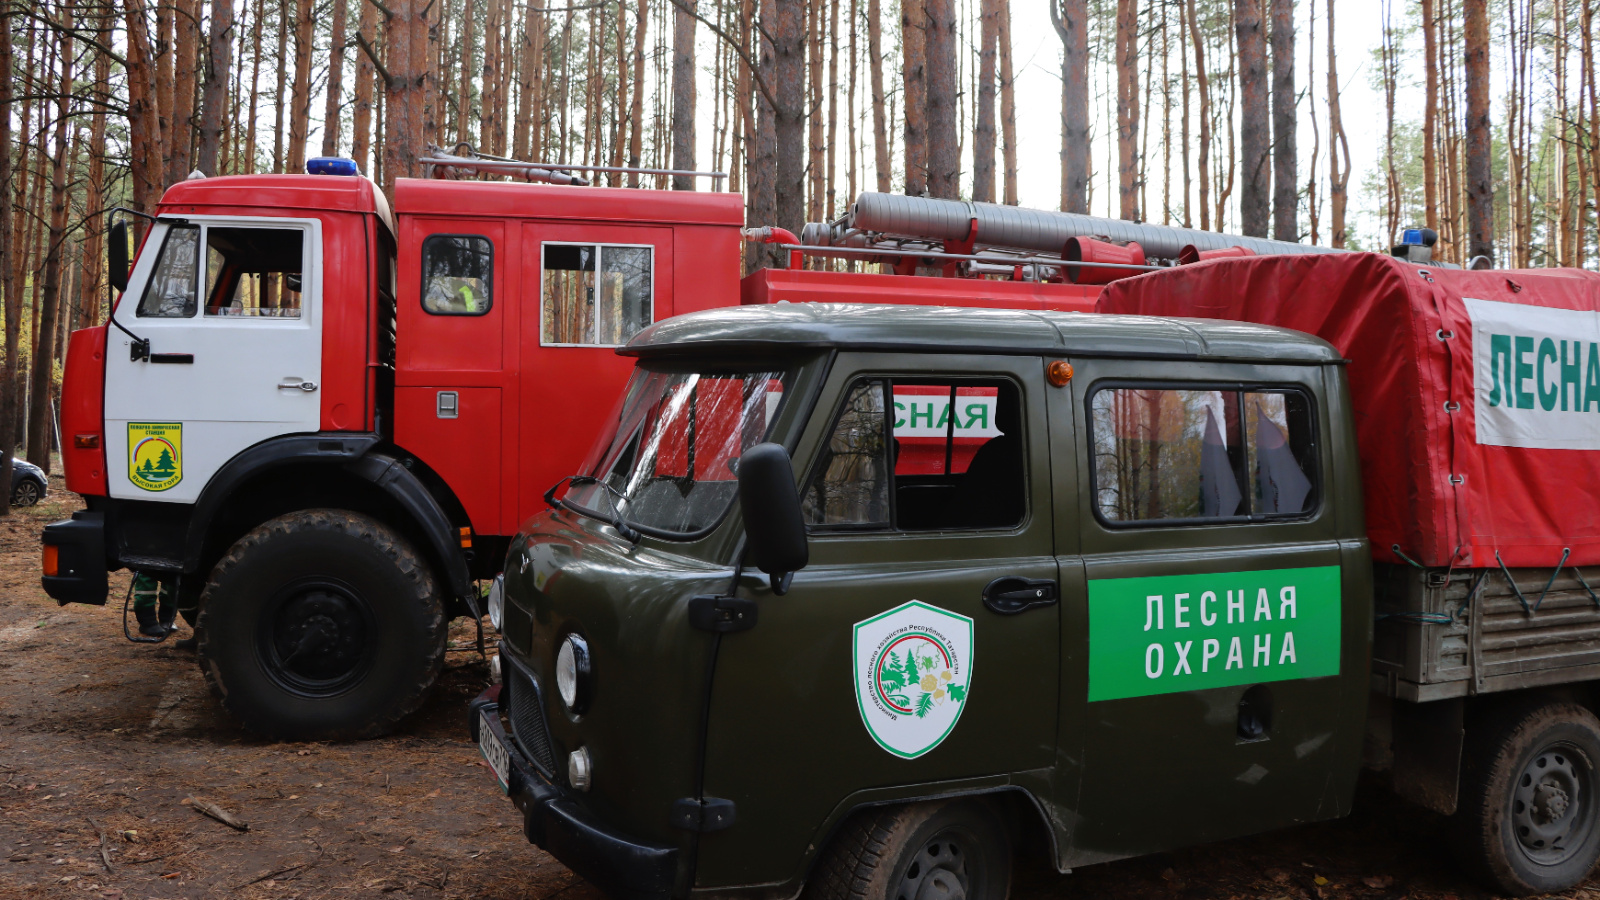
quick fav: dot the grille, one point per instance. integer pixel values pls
(527, 718)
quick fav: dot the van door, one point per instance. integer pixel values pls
(1214, 673)
(885, 667)
(231, 308)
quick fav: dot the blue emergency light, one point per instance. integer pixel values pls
(1412, 236)
(331, 165)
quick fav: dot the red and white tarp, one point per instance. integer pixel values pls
(1476, 394)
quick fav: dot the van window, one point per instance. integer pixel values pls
(254, 272)
(457, 274)
(1203, 454)
(936, 455)
(596, 294)
(172, 293)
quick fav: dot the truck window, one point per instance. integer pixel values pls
(595, 294)
(457, 275)
(254, 272)
(938, 455)
(1203, 454)
(171, 293)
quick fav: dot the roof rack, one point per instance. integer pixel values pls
(469, 161)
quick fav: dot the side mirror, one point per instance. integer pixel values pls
(773, 525)
(117, 256)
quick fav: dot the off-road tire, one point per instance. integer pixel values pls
(873, 854)
(386, 582)
(1561, 742)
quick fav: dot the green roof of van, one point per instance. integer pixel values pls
(782, 327)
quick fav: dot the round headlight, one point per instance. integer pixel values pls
(497, 601)
(573, 676)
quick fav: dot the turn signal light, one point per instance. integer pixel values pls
(466, 538)
(52, 560)
(86, 441)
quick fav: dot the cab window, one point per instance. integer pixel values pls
(457, 275)
(920, 455)
(172, 292)
(595, 294)
(254, 273)
(1206, 454)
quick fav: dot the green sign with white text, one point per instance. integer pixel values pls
(1169, 633)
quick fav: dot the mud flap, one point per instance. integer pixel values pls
(1428, 738)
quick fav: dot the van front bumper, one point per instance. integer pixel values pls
(621, 867)
(75, 559)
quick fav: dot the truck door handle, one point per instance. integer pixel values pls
(1011, 594)
(297, 384)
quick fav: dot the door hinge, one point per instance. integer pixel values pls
(708, 814)
(722, 614)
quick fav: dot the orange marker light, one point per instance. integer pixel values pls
(1059, 372)
(52, 560)
(466, 538)
(86, 441)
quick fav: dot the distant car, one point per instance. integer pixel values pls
(28, 483)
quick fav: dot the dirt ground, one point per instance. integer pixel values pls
(104, 744)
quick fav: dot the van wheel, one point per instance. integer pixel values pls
(938, 850)
(1530, 799)
(321, 625)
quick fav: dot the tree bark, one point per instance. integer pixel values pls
(332, 117)
(1285, 181)
(1430, 165)
(637, 116)
(1254, 141)
(186, 22)
(1480, 184)
(40, 430)
(816, 138)
(1338, 149)
(1071, 21)
(300, 112)
(1128, 168)
(983, 143)
(914, 84)
(144, 127)
(366, 73)
(944, 153)
(1008, 105)
(880, 123)
(789, 49)
(214, 93)
(1203, 86)
(8, 264)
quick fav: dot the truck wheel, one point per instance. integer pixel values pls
(321, 625)
(1530, 799)
(938, 850)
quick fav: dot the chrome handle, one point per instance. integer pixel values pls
(296, 384)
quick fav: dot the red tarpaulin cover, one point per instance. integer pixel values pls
(1515, 468)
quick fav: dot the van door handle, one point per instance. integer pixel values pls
(297, 384)
(1011, 594)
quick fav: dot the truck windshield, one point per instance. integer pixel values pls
(667, 464)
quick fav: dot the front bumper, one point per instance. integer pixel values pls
(75, 559)
(621, 867)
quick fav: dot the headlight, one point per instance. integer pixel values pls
(574, 677)
(497, 601)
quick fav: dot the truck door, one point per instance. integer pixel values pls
(884, 665)
(1211, 665)
(231, 309)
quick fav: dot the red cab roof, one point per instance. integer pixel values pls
(426, 196)
(322, 192)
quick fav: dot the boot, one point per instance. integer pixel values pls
(167, 616)
(149, 625)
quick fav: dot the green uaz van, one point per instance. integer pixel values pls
(1092, 584)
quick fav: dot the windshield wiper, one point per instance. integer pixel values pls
(628, 530)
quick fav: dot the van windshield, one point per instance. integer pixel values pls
(669, 460)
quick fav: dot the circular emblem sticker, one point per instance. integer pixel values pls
(913, 669)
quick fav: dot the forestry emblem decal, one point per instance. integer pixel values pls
(155, 455)
(913, 670)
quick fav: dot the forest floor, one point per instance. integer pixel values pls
(104, 744)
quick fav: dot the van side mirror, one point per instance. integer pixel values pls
(117, 256)
(774, 529)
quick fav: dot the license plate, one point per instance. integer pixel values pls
(494, 752)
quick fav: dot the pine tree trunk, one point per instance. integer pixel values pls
(366, 73)
(143, 122)
(1430, 165)
(636, 148)
(214, 97)
(1128, 110)
(1254, 140)
(762, 166)
(464, 77)
(94, 224)
(300, 110)
(944, 151)
(683, 94)
(40, 430)
(1071, 21)
(816, 151)
(789, 46)
(1285, 181)
(914, 85)
(8, 264)
(829, 209)
(332, 117)
(185, 53)
(983, 143)
(880, 122)
(1480, 183)
(1008, 105)
(1338, 150)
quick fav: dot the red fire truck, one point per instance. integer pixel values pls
(319, 421)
